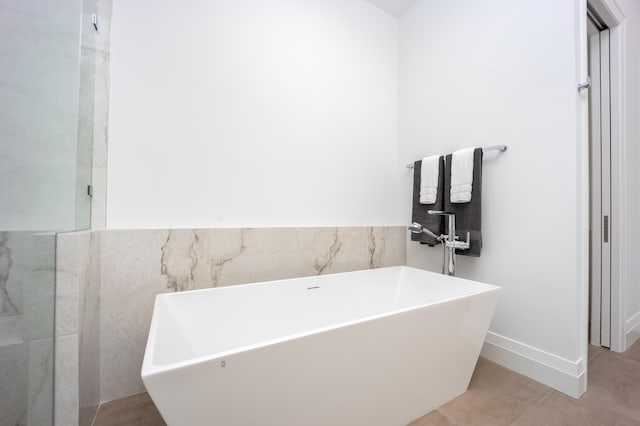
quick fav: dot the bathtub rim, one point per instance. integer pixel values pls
(150, 368)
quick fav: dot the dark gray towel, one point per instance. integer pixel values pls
(468, 215)
(419, 211)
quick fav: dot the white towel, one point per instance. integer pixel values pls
(461, 175)
(429, 176)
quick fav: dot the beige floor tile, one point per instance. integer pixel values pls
(136, 410)
(434, 418)
(561, 410)
(496, 396)
(633, 353)
(594, 351)
(614, 382)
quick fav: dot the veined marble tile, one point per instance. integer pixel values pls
(138, 265)
(89, 337)
(11, 330)
(72, 275)
(40, 385)
(26, 342)
(39, 287)
(130, 277)
(77, 317)
(66, 400)
(66, 318)
(387, 246)
(14, 360)
(12, 264)
(7, 305)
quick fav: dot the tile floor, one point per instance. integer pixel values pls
(496, 396)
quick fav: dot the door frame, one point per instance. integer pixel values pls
(611, 15)
(600, 184)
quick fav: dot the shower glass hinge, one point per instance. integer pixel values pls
(94, 20)
(90, 190)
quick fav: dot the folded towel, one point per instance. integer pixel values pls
(419, 211)
(429, 178)
(462, 176)
(469, 214)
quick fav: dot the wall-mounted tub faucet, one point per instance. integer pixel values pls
(450, 242)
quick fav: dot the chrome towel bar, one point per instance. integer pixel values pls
(501, 148)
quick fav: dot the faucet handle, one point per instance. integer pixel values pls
(461, 245)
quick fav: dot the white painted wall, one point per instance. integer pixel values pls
(631, 10)
(252, 113)
(502, 72)
(394, 7)
(285, 115)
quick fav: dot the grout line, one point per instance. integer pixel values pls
(95, 416)
(621, 354)
(551, 392)
(596, 355)
(449, 419)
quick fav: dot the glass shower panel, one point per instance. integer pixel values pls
(46, 89)
(85, 124)
(39, 80)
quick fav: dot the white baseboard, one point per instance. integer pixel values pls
(633, 330)
(566, 376)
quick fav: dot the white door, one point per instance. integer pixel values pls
(600, 148)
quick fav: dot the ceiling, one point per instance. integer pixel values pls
(394, 7)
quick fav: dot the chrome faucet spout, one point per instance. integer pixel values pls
(440, 213)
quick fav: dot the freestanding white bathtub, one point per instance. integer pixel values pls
(375, 347)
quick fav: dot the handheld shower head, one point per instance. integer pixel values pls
(416, 228)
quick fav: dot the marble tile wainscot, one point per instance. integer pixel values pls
(138, 265)
(108, 280)
(26, 326)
